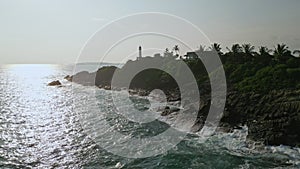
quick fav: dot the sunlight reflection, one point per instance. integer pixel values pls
(31, 70)
(34, 114)
(32, 78)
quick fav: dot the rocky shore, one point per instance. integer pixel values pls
(272, 118)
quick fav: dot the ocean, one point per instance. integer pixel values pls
(41, 127)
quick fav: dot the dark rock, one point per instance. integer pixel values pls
(68, 78)
(198, 125)
(101, 78)
(104, 76)
(166, 112)
(54, 83)
(84, 78)
(271, 118)
(142, 93)
(107, 87)
(169, 110)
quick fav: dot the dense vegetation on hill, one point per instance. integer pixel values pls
(246, 69)
(262, 71)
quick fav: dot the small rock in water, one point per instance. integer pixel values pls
(107, 87)
(168, 110)
(69, 78)
(54, 83)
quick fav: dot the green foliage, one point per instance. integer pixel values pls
(245, 69)
(293, 62)
(267, 79)
(294, 74)
(263, 72)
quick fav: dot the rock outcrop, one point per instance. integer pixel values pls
(68, 78)
(101, 78)
(54, 83)
(169, 110)
(272, 118)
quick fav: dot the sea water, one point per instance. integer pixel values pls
(40, 128)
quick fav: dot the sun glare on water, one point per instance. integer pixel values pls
(31, 79)
(31, 70)
(35, 113)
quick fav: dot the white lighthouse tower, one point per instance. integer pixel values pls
(140, 53)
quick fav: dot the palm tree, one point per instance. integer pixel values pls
(167, 53)
(264, 56)
(167, 50)
(281, 52)
(216, 47)
(297, 52)
(176, 49)
(248, 49)
(200, 52)
(263, 50)
(201, 49)
(235, 49)
(234, 54)
(281, 49)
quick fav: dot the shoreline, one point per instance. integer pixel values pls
(267, 116)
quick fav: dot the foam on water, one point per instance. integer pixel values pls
(235, 142)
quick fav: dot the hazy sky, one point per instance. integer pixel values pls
(54, 31)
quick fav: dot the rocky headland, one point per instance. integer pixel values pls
(262, 94)
(272, 118)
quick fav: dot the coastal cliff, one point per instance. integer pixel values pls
(263, 91)
(272, 118)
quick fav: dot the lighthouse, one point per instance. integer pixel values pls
(140, 53)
